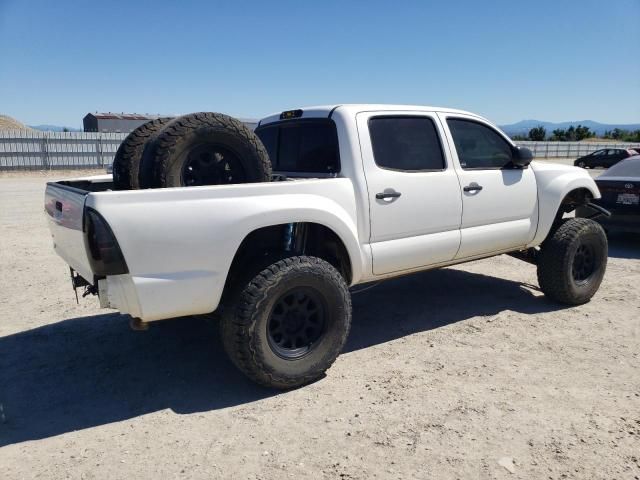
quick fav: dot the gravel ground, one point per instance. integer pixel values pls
(465, 372)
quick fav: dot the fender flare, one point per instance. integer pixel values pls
(551, 196)
(340, 225)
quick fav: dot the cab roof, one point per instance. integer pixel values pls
(325, 111)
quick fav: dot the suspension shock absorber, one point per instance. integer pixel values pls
(289, 237)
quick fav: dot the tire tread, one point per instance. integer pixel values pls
(237, 321)
(173, 134)
(553, 260)
(127, 160)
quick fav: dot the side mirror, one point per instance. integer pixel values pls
(522, 157)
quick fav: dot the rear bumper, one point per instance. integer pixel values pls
(119, 292)
(159, 297)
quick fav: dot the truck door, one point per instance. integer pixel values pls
(415, 205)
(499, 202)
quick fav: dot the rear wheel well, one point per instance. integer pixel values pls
(267, 245)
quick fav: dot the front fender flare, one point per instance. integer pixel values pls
(551, 193)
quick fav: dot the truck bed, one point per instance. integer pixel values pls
(172, 238)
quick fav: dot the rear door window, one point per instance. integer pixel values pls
(406, 143)
(304, 146)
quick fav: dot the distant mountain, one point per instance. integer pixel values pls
(522, 127)
(54, 128)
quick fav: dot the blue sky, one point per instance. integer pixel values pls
(509, 60)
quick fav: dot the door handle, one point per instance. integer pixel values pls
(383, 195)
(472, 188)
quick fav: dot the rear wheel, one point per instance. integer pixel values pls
(286, 326)
(572, 261)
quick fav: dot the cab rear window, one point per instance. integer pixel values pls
(303, 146)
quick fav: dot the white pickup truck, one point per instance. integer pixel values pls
(359, 193)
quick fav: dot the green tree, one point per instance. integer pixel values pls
(583, 132)
(559, 135)
(573, 134)
(618, 134)
(632, 137)
(538, 134)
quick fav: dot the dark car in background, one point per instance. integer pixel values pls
(620, 189)
(606, 157)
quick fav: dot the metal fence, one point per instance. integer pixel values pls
(32, 150)
(570, 149)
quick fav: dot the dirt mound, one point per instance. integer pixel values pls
(8, 123)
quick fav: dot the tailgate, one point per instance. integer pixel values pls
(64, 206)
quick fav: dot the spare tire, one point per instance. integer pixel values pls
(126, 163)
(207, 149)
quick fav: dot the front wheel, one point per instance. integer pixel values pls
(572, 261)
(286, 326)
(581, 164)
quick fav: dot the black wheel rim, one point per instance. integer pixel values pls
(211, 164)
(297, 323)
(584, 263)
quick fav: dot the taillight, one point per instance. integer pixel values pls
(105, 256)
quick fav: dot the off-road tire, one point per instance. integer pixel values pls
(169, 152)
(127, 161)
(245, 322)
(556, 261)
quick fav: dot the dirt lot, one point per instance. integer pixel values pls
(466, 372)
